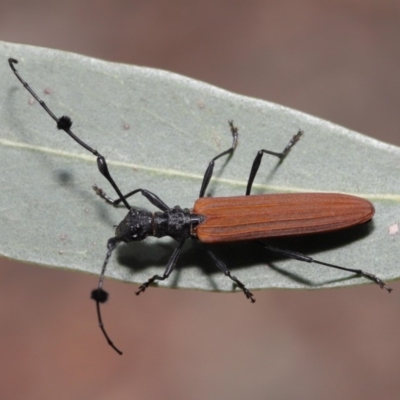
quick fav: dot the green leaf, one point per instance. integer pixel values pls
(158, 131)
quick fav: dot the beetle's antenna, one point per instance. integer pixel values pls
(64, 123)
(99, 295)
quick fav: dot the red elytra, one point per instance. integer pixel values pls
(238, 218)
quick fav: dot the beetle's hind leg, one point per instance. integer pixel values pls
(302, 257)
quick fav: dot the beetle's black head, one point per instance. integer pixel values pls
(136, 226)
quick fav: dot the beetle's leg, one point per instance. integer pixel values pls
(169, 268)
(221, 265)
(281, 156)
(302, 257)
(64, 123)
(151, 197)
(210, 168)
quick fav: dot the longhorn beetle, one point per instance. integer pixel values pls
(223, 219)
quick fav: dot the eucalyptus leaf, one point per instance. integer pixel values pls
(158, 131)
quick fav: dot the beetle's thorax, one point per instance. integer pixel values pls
(175, 222)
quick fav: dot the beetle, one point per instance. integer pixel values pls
(222, 219)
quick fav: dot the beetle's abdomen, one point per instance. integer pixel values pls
(230, 219)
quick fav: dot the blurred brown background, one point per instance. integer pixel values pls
(337, 60)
